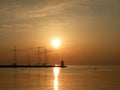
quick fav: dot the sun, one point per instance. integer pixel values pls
(56, 43)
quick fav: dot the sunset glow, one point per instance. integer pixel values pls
(56, 73)
(56, 43)
(80, 31)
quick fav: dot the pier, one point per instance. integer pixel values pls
(31, 66)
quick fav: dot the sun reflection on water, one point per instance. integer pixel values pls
(56, 74)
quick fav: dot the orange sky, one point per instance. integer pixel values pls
(89, 30)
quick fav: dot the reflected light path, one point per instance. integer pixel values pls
(56, 74)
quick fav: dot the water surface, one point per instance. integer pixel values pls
(70, 78)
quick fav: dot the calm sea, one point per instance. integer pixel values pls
(70, 78)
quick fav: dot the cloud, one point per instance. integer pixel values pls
(21, 14)
(21, 9)
(14, 27)
(46, 11)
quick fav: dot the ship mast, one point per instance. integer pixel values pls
(15, 56)
(45, 56)
(38, 55)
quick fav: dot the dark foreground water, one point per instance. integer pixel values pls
(70, 78)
